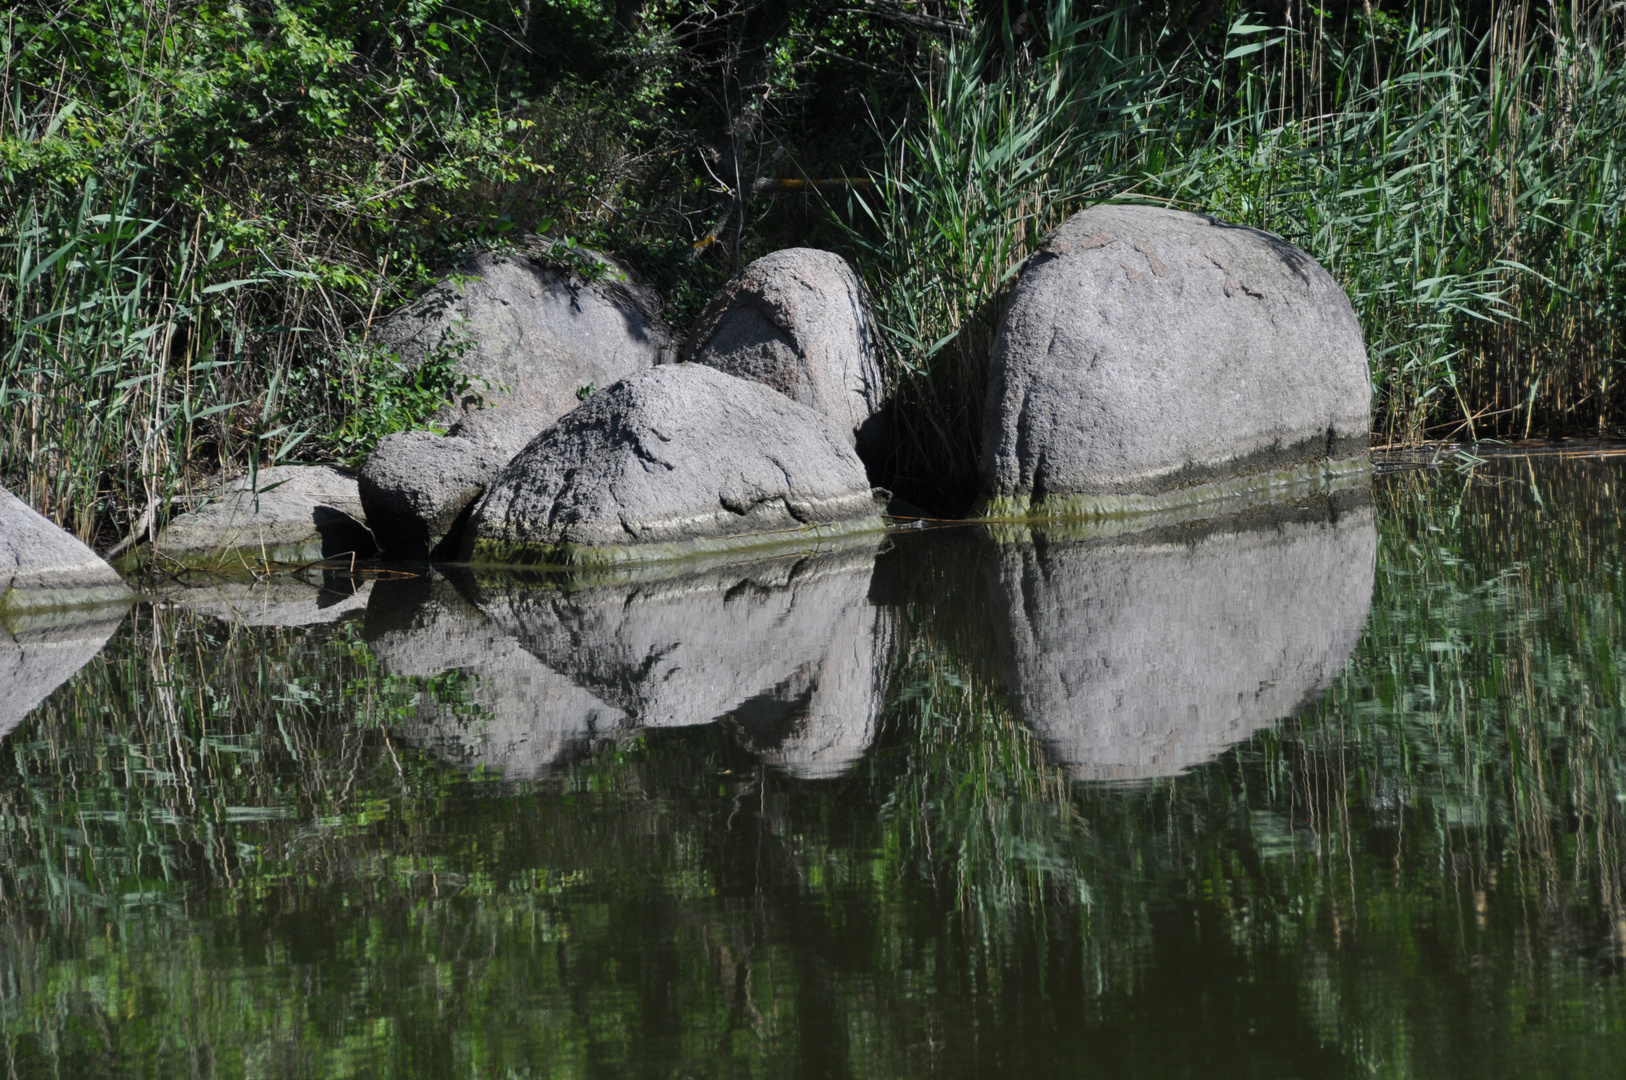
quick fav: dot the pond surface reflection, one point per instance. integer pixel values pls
(1334, 790)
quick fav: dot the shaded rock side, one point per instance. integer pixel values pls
(1149, 355)
(1134, 660)
(790, 652)
(291, 513)
(520, 718)
(671, 461)
(416, 485)
(529, 333)
(796, 320)
(42, 567)
(35, 660)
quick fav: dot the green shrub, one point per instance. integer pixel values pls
(198, 220)
(377, 394)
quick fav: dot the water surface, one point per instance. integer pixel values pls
(1336, 790)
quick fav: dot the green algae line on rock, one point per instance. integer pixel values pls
(1150, 358)
(681, 460)
(43, 569)
(288, 513)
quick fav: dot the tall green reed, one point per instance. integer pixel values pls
(968, 189)
(113, 356)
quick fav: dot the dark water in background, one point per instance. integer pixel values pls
(1338, 792)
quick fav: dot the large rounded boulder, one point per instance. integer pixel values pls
(680, 459)
(1149, 357)
(532, 325)
(796, 320)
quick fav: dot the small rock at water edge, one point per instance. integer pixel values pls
(289, 513)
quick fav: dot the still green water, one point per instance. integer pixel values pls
(1333, 792)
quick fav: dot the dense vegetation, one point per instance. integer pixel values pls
(207, 203)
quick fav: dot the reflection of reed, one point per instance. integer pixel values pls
(985, 817)
(1481, 729)
(192, 754)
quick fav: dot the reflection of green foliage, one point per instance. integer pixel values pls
(219, 845)
(986, 819)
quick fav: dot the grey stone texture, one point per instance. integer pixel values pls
(42, 567)
(790, 652)
(670, 460)
(530, 330)
(1141, 658)
(42, 654)
(796, 320)
(290, 513)
(416, 485)
(521, 718)
(1146, 351)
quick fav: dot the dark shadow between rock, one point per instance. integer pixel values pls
(342, 534)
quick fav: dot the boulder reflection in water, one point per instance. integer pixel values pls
(1142, 657)
(528, 716)
(790, 651)
(40, 653)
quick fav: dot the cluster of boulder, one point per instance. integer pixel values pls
(1129, 657)
(1146, 358)
(1147, 362)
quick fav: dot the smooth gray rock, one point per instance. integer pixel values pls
(1135, 659)
(1149, 356)
(299, 513)
(677, 459)
(796, 320)
(789, 651)
(416, 485)
(42, 567)
(41, 655)
(282, 600)
(530, 331)
(521, 717)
